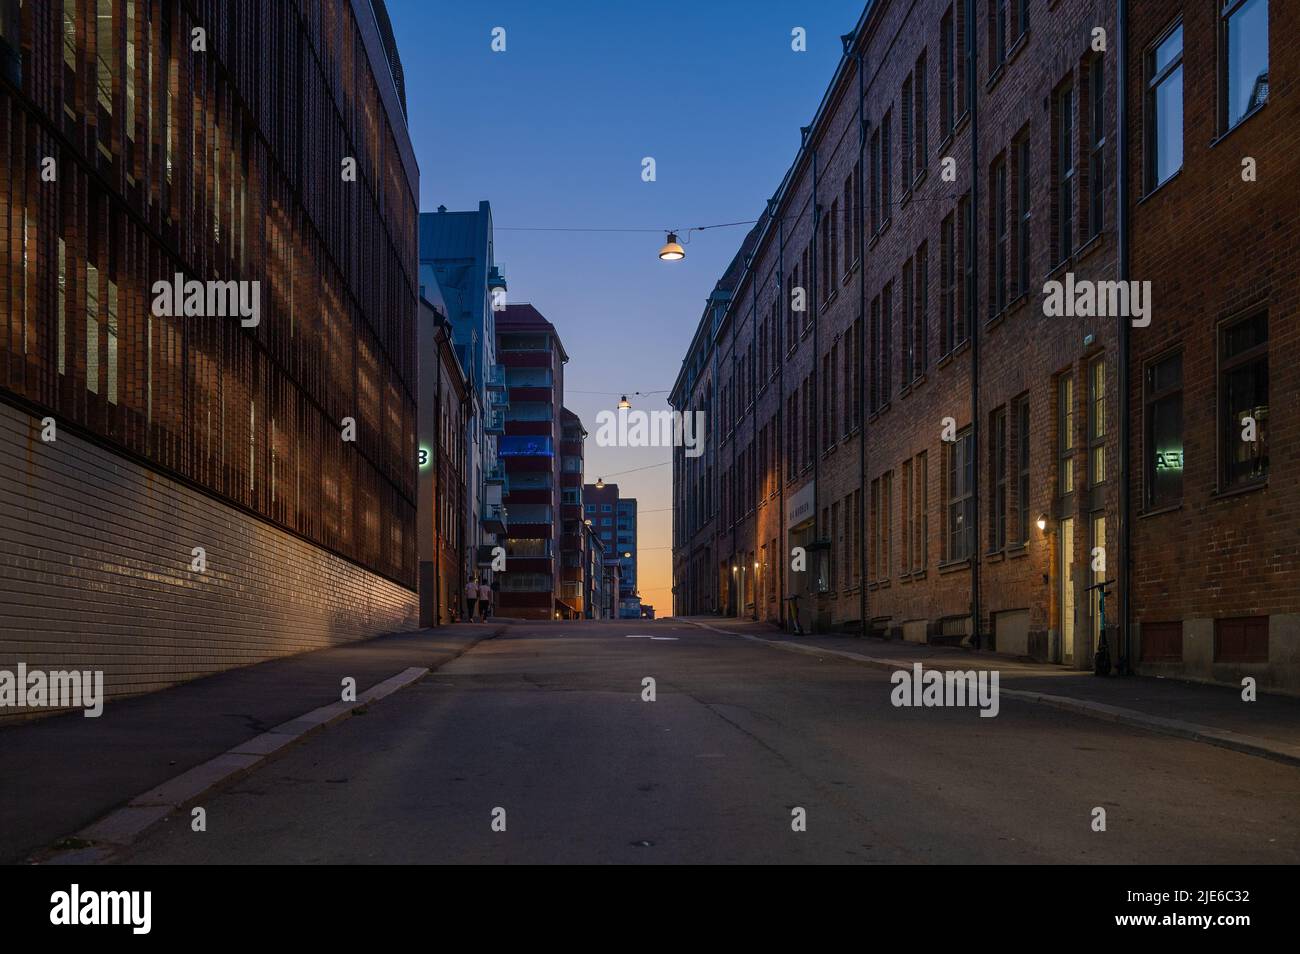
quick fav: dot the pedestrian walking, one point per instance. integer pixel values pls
(484, 599)
(471, 599)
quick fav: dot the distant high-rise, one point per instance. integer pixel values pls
(529, 348)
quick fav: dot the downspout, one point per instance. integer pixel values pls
(1122, 227)
(774, 207)
(437, 483)
(753, 426)
(859, 356)
(816, 364)
(971, 59)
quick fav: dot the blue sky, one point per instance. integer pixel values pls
(552, 132)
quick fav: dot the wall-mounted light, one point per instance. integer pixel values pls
(1042, 521)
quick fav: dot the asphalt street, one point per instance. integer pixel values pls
(544, 731)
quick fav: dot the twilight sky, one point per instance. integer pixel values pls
(553, 131)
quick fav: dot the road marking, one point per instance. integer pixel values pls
(640, 636)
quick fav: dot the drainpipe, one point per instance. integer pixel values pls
(774, 207)
(753, 427)
(1122, 228)
(971, 72)
(436, 482)
(816, 361)
(859, 357)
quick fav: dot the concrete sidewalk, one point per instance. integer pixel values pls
(60, 774)
(1268, 727)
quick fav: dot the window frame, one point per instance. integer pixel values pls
(1155, 80)
(1224, 366)
(1227, 10)
(1151, 397)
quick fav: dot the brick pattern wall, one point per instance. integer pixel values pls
(1216, 248)
(95, 554)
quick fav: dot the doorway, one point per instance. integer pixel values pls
(1067, 601)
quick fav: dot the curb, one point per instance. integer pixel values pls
(1224, 738)
(122, 826)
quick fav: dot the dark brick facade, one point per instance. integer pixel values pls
(928, 307)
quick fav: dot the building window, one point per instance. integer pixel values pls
(905, 154)
(876, 390)
(968, 292)
(1023, 207)
(920, 305)
(921, 512)
(1097, 422)
(875, 182)
(1064, 172)
(905, 512)
(1001, 237)
(1065, 434)
(920, 118)
(997, 34)
(886, 342)
(1022, 16)
(1243, 59)
(1243, 401)
(886, 169)
(1096, 144)
(1163, 420)
(960, 506)
(1022, 470)
(947, 73)
(1164, 134)
(948, 285)
(998, 479)
(907, 317)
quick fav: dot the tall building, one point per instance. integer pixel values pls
(457, 255)
(533, 356)
(573, 562)
(444, 405)
(614, 520)
(200, 484)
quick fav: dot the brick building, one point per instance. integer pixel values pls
(529, 348)
(445, 402)
(198, 507)
(1215, 218)
(969, 168)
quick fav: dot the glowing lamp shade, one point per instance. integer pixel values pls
(1042, 521)
(672, 252)
(624, 404)
(600, 483)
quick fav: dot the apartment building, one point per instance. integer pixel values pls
(533, 356)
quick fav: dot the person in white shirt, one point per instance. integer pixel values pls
(471, 598)
(484, 600)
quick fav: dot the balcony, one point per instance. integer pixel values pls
(495, 378)
(494, 519)
(494, 420)
(496, 474)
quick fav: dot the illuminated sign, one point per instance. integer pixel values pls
(424, 457)
(1169, 460)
